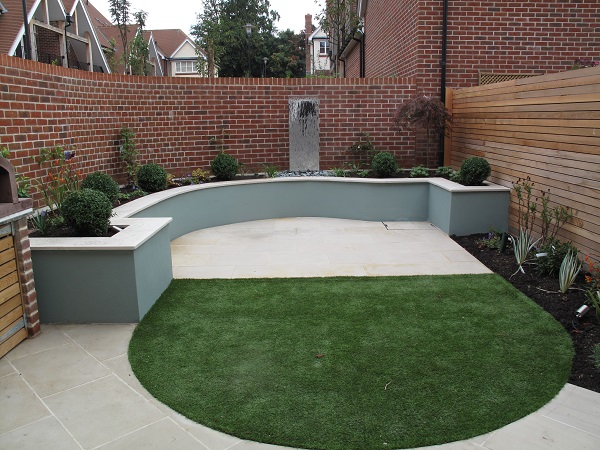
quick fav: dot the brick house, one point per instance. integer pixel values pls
(480, 42)
(171, 52)
(60, 32)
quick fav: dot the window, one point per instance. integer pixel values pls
(185, 66)
(324, 48)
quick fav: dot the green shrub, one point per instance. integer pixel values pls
(224, 167)
(99, 181)
(445, 172)
(474, 171)
(419, 172)
(88, 211)
(152, 178)
(384, 165)
(555, 254)
(455, 176)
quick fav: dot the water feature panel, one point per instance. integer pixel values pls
(304, 133)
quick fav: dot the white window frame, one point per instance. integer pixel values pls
(188, 65)
(323, 48)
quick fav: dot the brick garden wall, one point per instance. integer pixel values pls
(176, 120)
(404, 38)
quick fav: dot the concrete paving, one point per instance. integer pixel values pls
(72, 387)
(319, 247)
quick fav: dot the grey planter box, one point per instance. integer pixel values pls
(118, 279)
(103, 280)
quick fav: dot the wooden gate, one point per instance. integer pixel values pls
(12, 320)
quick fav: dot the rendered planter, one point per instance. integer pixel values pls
(103, 279)
(117, 279)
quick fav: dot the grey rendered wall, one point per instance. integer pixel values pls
(236, 203)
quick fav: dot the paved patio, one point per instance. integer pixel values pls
(72, 386)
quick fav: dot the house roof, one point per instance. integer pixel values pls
(170, 41)
(318, 31)
(11, 22)
(97, 18)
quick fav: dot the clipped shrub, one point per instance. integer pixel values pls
(384, 165)
(445, 172)
(100, 181)
(88, 211)
(474, 171)
(419, 172)
(555, 252)
(455, 176)
(224, 167)
(152, 178)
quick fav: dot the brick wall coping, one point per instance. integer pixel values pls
(16, 216)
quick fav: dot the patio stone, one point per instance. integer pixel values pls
(19, 404)
(102, 411)
(69, 364)
(46, 433)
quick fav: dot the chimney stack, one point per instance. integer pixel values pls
(308, 31)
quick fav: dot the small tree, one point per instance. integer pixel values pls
(139, 55)
(425, 112)
(119, 12)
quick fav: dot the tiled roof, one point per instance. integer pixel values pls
(11, 22)
(169, 41)
(96, 16)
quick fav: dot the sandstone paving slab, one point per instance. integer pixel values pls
(69, 365)
(102, 411)
(46, 433)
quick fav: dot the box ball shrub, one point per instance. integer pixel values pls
(152, 178)
(224, 167)
(100, 181)
(474, 171)
(384, 165)
(88, 211)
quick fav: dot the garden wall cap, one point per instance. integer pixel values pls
(136, 232)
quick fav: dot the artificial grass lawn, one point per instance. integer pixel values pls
(351, 363)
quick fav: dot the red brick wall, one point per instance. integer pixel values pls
(403, 38)
(353, 62)
(47, 46)
(175, 118)
(388, 52)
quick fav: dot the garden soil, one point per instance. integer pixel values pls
(585, 332)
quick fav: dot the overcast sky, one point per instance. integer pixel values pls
(182, 13)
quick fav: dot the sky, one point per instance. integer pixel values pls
(181, 14)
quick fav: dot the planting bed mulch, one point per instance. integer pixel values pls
(585, 332)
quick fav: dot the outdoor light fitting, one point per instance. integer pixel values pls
(3, 10)
(582, 311)
(248, 27)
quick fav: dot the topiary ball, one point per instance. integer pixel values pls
(88, 211)
(384, 165)
(100, 181)
(224, 167)
(474, 171)
(152, 178)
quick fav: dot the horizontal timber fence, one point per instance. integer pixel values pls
(544, 128)
(182, 123)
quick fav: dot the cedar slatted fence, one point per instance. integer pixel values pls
(545, 128)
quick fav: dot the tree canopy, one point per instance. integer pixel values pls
(221, 32)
